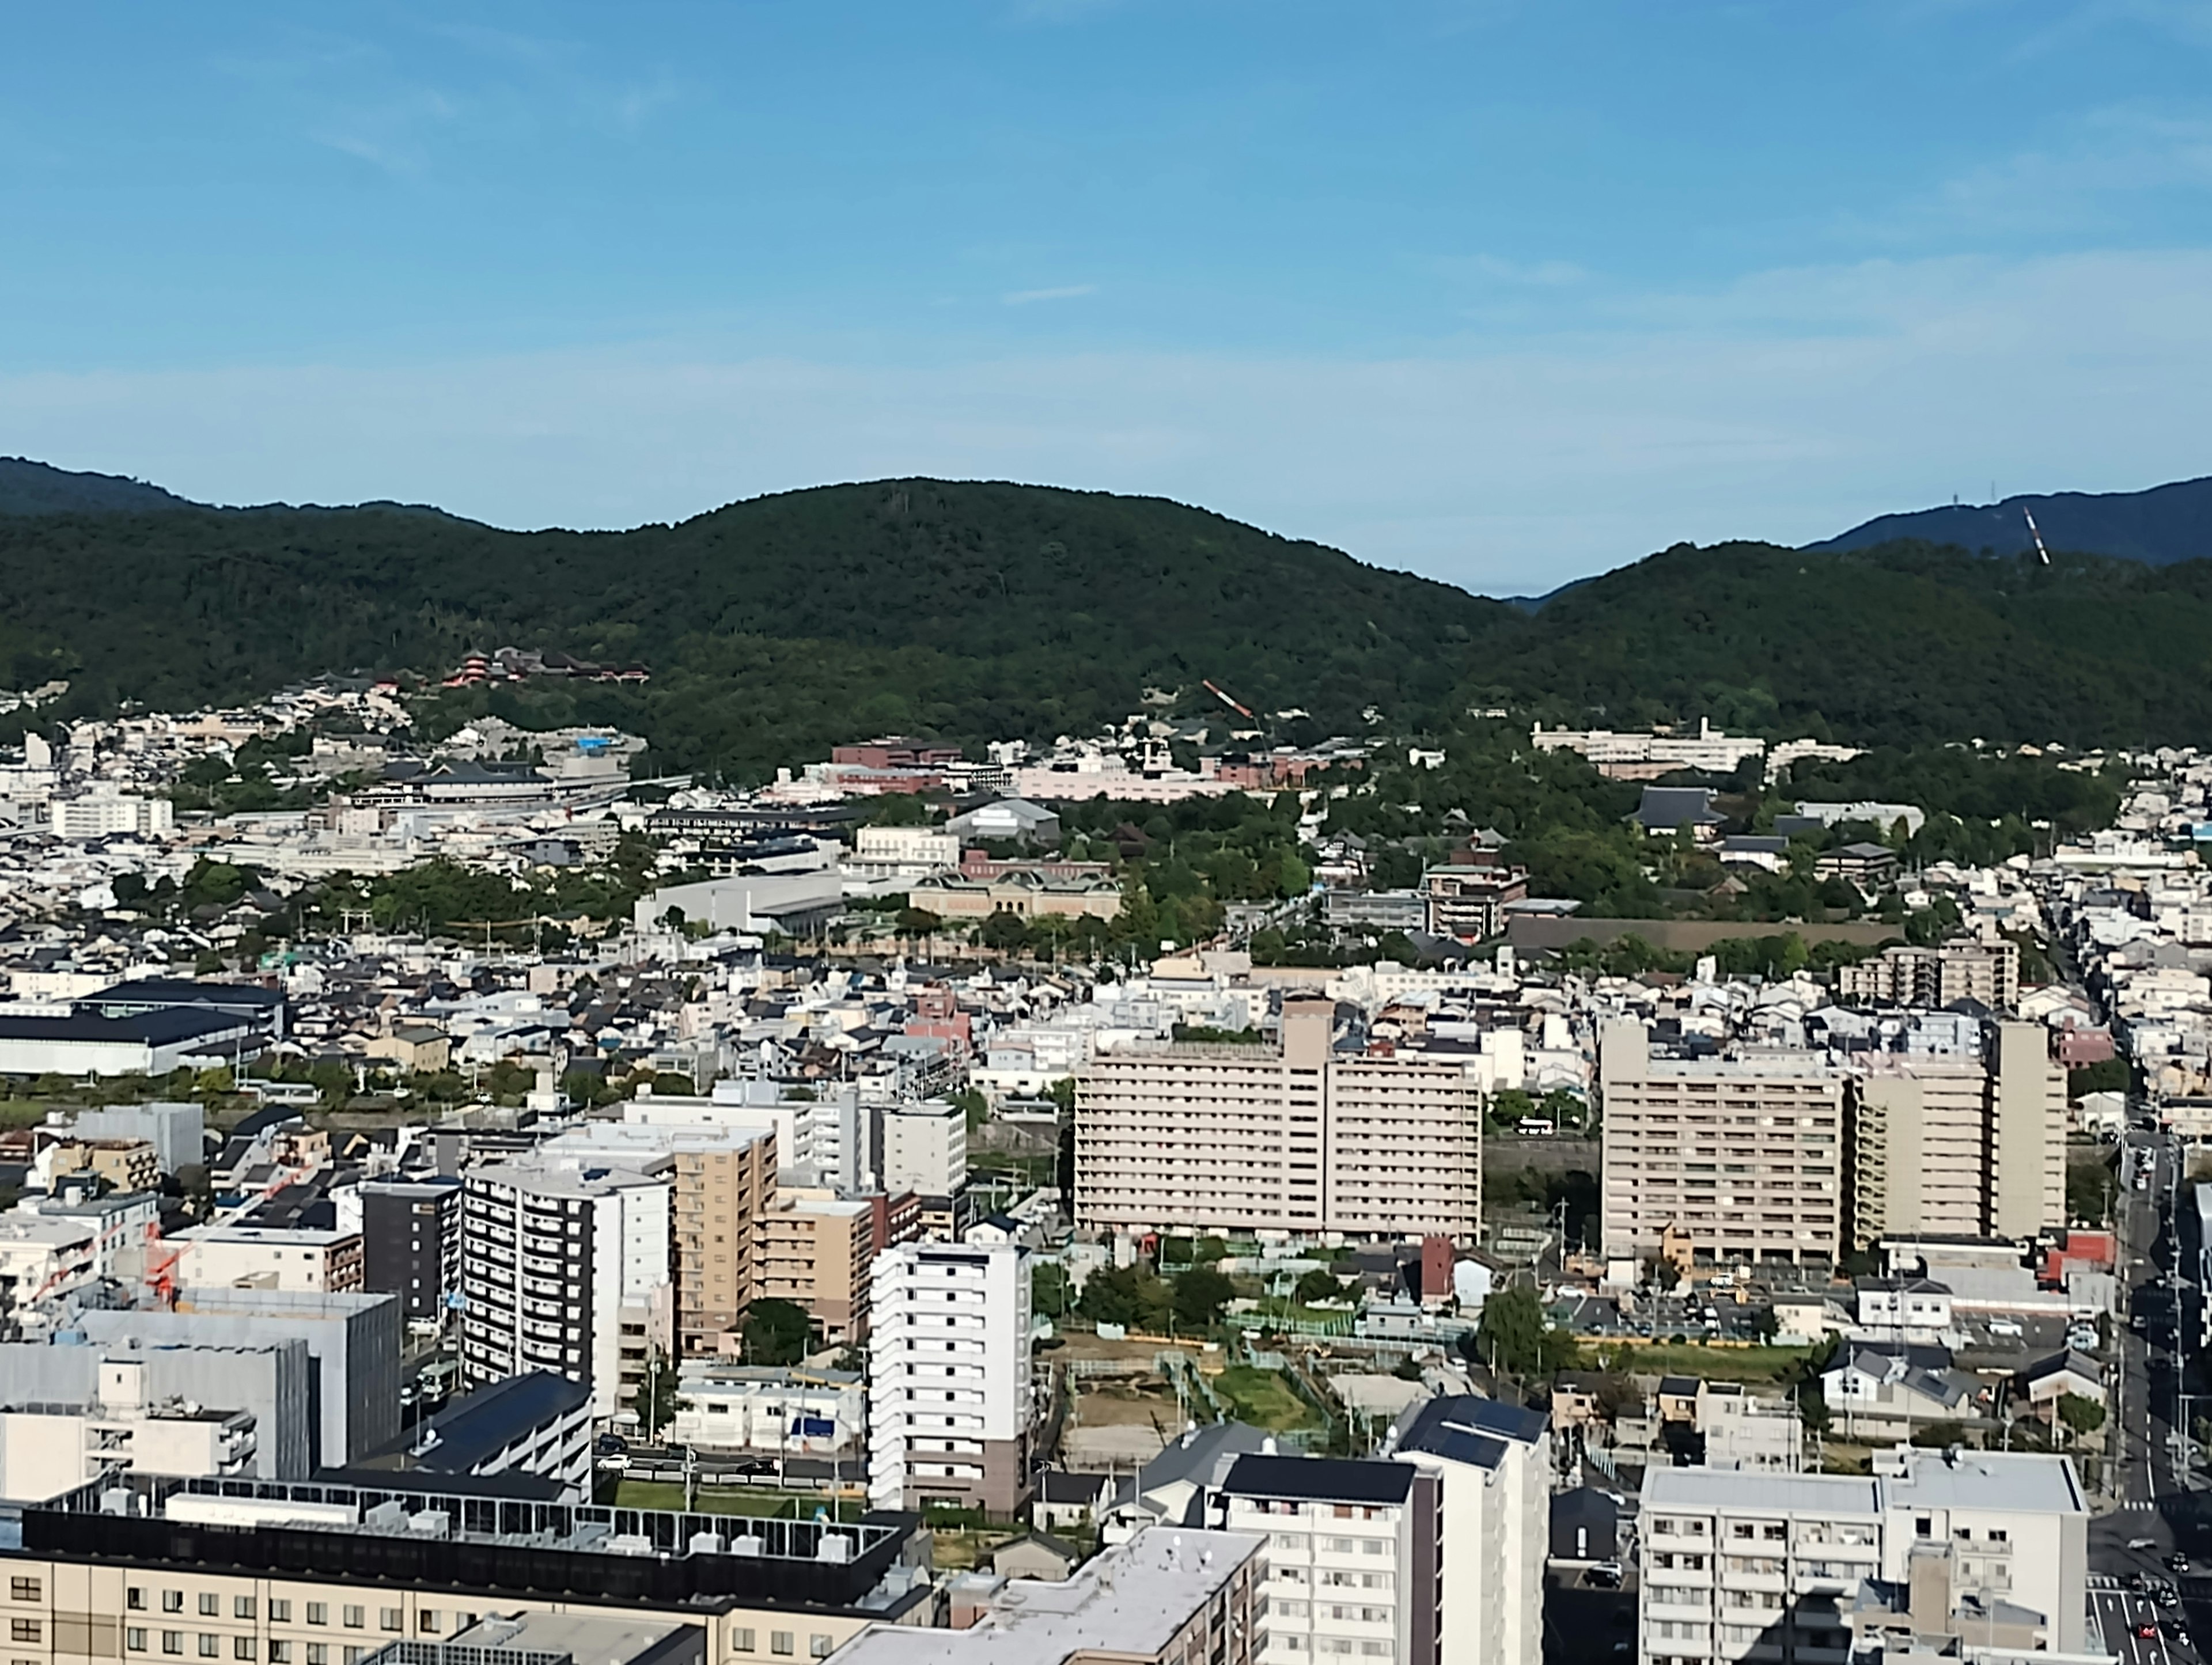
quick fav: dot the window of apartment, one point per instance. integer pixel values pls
(352, 1618)
(426, 1621)
(172, 1642)
(211, 1646)
(26, 1630)
(352, 1655)
(1924, 1526)
(818, 1646)
(241, 1647)
(318, 1612)
(279, 1653)
(241, 1607)
(319, 1653)
(280, 1610)
(391, 1618)
(210, 1604)
(135, 1598)
(779, 1641)
(742, 1640)
(26, 1590)
(134, 1639)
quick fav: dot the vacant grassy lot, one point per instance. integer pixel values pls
(728, 1500)
(1263, 1399)
(1715, 1363)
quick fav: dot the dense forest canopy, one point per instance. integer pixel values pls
(778, 627)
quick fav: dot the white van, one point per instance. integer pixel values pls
(2006, 1327)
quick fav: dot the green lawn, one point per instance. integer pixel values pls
(1263, 1399)
(724, 1500)
(1717, 1364)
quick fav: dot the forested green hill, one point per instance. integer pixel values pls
(776, 627)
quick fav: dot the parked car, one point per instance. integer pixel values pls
(2006, 1327)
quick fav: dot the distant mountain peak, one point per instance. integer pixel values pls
(2158, 527)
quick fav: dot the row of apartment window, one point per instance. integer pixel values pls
(135, 1640)
(1293, 1642)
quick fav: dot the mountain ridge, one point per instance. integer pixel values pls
(2157, 526)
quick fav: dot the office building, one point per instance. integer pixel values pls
(1968, 1146)
(721, 1179)
(555, 1251)
(410, 1235)
(1743, 1156)
(1492, 1463)
(1936, 1551)
(1165, 1597)
(949, 1412)
(1288, 1139)
(812, 1249)
(330, 1573)
(351, 1341)
(1352, 1562)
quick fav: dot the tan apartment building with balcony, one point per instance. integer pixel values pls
(1745, 1156)
(121, 1165)
(1289, 1140)
(1966, 1145)
(812, 1247)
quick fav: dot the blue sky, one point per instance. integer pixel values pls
(1503, 293)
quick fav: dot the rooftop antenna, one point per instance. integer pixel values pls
(2037, 537)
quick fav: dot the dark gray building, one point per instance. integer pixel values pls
(410, 1232)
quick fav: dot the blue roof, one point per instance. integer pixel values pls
(1330, 1479)
(159, 1028)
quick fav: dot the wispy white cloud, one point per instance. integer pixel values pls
(1065, 292)
(1790, 405)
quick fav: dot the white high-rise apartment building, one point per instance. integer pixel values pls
(1352, 1554)
(1494, 1462)
(1990, 1548)
(1295, 1139)
(1744, 1155)
(950, 1403)
(553, 1250)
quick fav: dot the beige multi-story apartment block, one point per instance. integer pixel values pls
(1962, 970)
(1971, 1145)
(1745, 1156)
(1291, 1139)
(812, 1247)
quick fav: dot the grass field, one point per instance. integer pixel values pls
(1263, 1399)
(1716, 1363)
(728, 1500)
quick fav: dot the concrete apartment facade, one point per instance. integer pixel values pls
(1935, 977)
(721, 1179)
(950, 1410)
(812, 1247)
(1982, 1548)
(553, 1251)
(301, 1260)
(1745, 1156)
(1352, 1558)
(1971, 1147)
(1287, 1140)
(1492, 1463)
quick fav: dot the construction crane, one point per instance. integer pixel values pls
(1234, 704)
(2037, 537)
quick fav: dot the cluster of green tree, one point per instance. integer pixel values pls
(1982, 808)
(1779, 956)
(773, 627)
(2111, 1075)
(244, 783)
(1139, 1298)
(1516, 1337)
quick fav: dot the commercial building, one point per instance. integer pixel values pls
(1937, 1552)
(410, 1234)
(554, 1252)
(769, 1411)
(74, 1041)
(1492, 1463)
(328, 1573)
(1744, 1156)
(812, 1247)
(1467, 898)
(1961, 1146)
(48, 1447)
(950, 1411)
(174, 1130)
(1290, 1140)
(351, 1343)
(1935, 977)
(537, 1425)
(300, 1259)
(1353, 1556)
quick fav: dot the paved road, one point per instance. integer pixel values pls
(2158, 1511)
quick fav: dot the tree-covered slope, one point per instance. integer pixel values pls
(2164, 524)
(771, 626)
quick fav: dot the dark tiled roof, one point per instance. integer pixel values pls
(1328, 1479)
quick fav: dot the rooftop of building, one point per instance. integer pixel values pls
(1753, 1492)
(1326, 1479)
(1468, 1428)
(1129, 1602)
